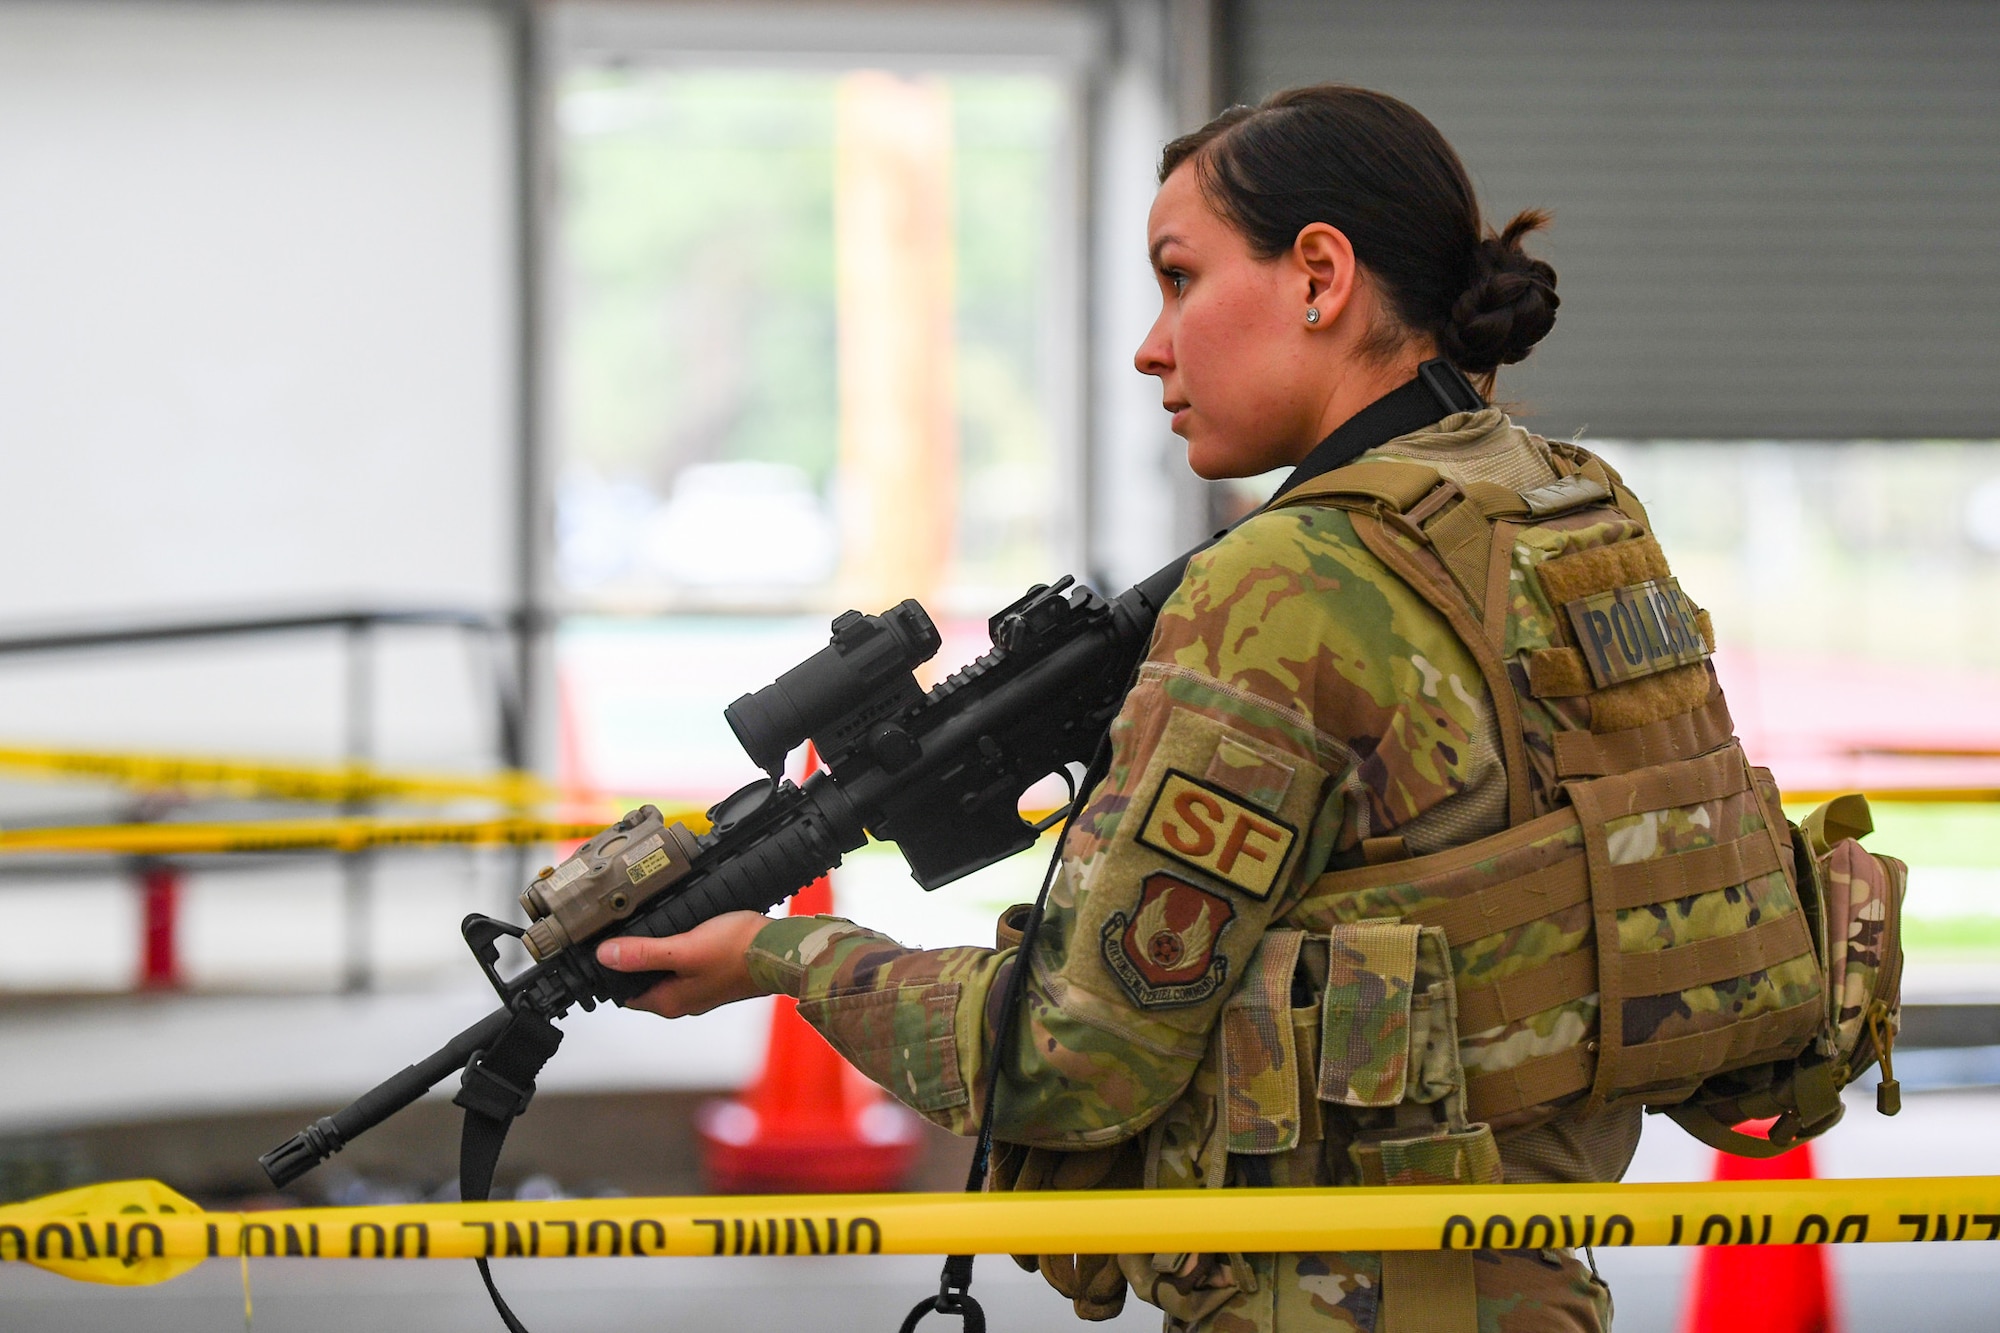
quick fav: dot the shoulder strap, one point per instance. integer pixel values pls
(1575, 460)
(1385, 481)
(1458, 612)
(1697, 1120)
(1455, 523)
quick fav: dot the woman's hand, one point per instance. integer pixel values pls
(707, 964)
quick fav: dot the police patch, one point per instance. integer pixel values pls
(1636, 630)
(1203, 826)
(1164, 952)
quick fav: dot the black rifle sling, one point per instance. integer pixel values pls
(1439, 390)
(1438, 385)
(954, 1283)
(498, 1084)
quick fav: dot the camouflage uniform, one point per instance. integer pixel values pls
(1300, 705)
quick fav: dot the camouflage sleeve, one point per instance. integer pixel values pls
(1270, 727)
(894, 1013)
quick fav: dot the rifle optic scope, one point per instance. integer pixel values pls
(870, 658)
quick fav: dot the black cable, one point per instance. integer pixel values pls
(955, 1281)
(500, 1306)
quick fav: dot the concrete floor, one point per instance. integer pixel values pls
(1879, 1289)
(1876, 1288)
(597, 1295)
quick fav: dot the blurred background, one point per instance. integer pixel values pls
(460, 386)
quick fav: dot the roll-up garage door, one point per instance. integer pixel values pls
(1773, 220)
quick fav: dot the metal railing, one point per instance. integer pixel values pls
(502, 639)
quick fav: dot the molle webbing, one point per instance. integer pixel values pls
(1589, 754)
(1462, 564)
(1397, 485)
(1584, 873)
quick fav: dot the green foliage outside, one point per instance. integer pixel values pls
(1952, 935)
(698, 291)
(697, 297)
(1938, 835)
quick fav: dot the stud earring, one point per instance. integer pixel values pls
(1312, 314)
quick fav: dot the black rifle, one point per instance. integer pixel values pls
(940, 774)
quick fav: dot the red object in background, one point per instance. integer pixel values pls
(159, 927)
(1762, 1288)
(810, 1124)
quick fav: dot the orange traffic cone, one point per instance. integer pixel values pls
(1762, 1288)
(810, 1123)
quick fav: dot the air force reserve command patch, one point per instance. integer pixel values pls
(1203, 826)
(1164, 952)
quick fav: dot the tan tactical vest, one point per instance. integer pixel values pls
(1638, 928)
(1644, 928)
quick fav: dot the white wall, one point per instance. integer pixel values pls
(255, 338)
(256, 344)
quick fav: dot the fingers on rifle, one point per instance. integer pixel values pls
(635, 953)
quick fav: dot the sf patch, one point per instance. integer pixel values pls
(1203, 826)
(1163, 953)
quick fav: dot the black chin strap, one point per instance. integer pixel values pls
(498, 1084)
(1439, 390)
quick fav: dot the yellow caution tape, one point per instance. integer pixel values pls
(288, 782)
(354, 834)
(123, 1228)
(252, 778)
(1909, 795)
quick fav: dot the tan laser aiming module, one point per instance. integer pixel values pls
(604, 880)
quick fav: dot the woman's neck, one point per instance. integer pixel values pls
(1366, 381)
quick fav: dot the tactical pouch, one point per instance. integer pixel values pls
(1377, 1047)
(1855, 900)
(1389, 1054)
(1617, 956)
(1263, 1111)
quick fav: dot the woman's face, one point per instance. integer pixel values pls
(1242, 372)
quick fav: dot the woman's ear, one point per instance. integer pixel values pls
(1324, 259)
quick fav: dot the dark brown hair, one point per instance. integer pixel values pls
(1373, 167)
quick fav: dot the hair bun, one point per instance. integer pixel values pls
(1509, 306)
